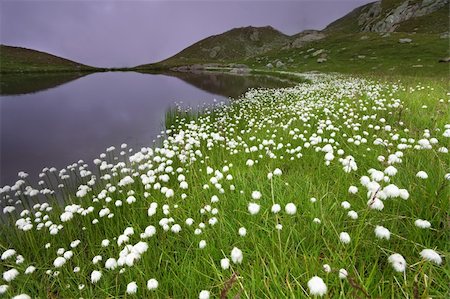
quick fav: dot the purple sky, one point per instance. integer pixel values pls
(129, 33)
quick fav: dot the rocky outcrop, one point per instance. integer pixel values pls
(374, 19)
(305, 37)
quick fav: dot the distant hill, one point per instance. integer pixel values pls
(263, 46)
(22, 60)
(232, 45)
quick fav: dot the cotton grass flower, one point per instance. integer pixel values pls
(290, 208)
(422, 223)
(253, 208)
(344, 237)
(203, 295)
(242, 231)
(21, 296)
(202, 244)
(3, 289)
(345, 204)
(343, 273)
(422, 175)
(59, 262)
(95, 276)
(132, 288)
(317, 287)
(7, 254)
(236, 255)
(10, 275)
(152, 284)
(398, 262)
(30, 270)
(431, 255)
(382, 233)
(111, 264)
(256, 195)
(352, 214)
(276, 208)
(225, 263)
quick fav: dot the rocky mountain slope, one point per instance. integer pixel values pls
(231, 45)
(241, 45)
(391, 15)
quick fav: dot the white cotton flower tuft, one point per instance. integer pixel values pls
(202, 244)
(10, 275)
(236, 255)
(422, 223)
(346, 205)
(225, 263)
(242, 231)
(290, 208)
(256, 195)
(398, 262)
(390, 170)
(253, 208)
(375, 204)
(422, 175)
(30, 269)
(276, 208)
(352, 214)
(132, 288)
(95, 276)
(326, 268)
(203, 295)
(382, 233)
(7, 254)
(152, 284)
(343, 273)
(431, 255)
(111, 264)
(3, 288)
(352, 189)
(59, 261)
(344, 237)
(317, 287)
(176, 228)
(277, 172)
(21, 296)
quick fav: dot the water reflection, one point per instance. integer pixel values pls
(14, 84)
(80, 119)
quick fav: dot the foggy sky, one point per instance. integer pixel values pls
(129, 33)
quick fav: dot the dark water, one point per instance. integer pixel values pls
(62, 121)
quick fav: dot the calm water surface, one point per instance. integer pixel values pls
(56, 126)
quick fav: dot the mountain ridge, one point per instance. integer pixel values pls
(385, 16)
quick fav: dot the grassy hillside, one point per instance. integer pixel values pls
(229, 46)
(21, 60)
(345, 47)
(367, 53)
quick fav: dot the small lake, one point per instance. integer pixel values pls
(56, 120)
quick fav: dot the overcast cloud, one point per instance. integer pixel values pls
(129, 33)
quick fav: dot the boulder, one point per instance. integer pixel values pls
(445, 59)
(321, 60)
(318, 52)
(279, 64)
(405, 40)
(269, 65)
(306, 37)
